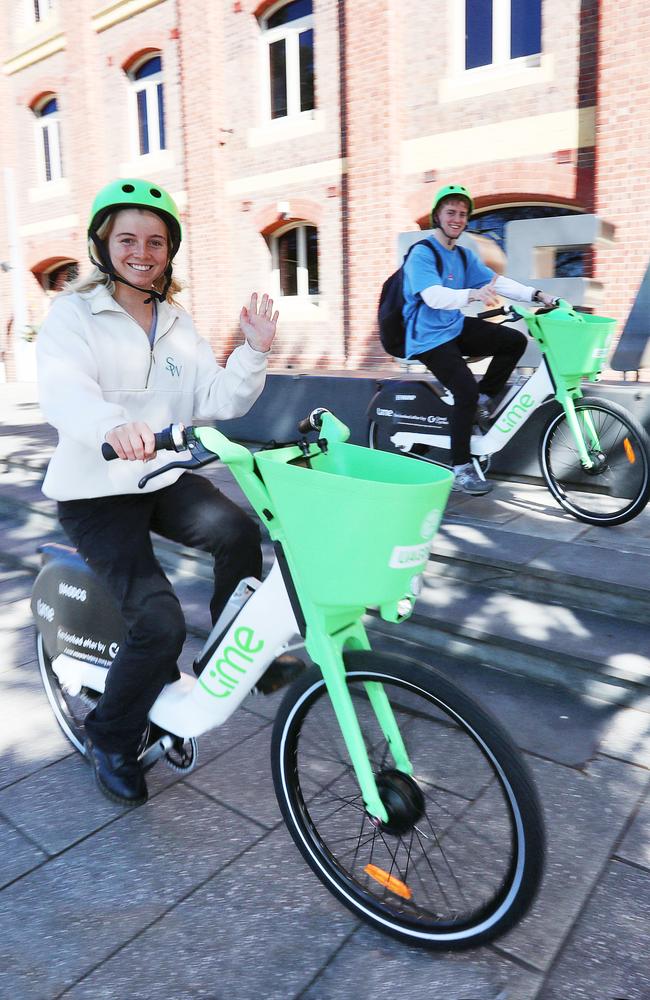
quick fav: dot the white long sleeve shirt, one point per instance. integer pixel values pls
(96, 370)
(439, 297)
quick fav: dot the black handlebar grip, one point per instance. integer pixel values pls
(164, 442)
(501, 311)
(313, 421)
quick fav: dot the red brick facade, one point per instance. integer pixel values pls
(394, 119)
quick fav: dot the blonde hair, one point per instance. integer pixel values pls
(96, 277)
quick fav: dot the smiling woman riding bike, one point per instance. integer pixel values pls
(116, 357)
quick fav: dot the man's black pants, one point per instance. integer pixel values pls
(447, 363)
(112, 534)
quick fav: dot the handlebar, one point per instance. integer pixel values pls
(172, 438)
(513, 313)
(501, 311)
(313, 422)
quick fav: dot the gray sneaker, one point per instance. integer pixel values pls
(466, 480)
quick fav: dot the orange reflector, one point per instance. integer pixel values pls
(388, 881)
(629, 451)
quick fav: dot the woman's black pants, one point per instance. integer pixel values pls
(112, 534)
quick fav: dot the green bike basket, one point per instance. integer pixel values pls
(578, 343)
(358, 524)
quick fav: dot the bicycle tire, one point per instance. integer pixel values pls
(618, 487)
(69, 711)
(379, 439)
(429, 866)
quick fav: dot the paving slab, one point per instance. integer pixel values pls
(33, 805)
(635, 846)
(261, 928)
(15, 585)
(61, 921)
(30, 738)
(585, 814)
(17, 853)
(241, 779)
(369, 965)
(606, 956)
(627, 737)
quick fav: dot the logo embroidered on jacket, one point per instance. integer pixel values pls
(173, 368)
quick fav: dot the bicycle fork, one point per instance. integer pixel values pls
(578, 431)
(326, 648)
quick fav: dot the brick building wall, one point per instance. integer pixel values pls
(395, 117)
(622, 179)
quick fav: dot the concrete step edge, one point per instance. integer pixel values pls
(612, 599)
(547, 575)
(571, 674)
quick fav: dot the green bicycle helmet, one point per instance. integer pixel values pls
(134, 193)
(451, 191)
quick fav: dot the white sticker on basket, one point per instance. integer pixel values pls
(407, 556)
(431, 523)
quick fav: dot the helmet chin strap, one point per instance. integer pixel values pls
(106, 267)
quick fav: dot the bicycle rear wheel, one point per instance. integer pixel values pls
(69, 710)
(461, 858)
(617, 487)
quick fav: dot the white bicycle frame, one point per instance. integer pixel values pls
(516, 408)
(260, 631)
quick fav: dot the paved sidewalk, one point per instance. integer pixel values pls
(201, 893)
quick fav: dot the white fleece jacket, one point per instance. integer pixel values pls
(96, 370)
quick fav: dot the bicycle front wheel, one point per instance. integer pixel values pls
(461, 857)
(617, 487)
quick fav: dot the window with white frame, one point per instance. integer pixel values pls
(48, 133)
(148, 105)
(498, 31)
(288, 45)
(294, 256)
(41, 8)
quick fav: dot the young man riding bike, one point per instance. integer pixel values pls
(441, 337)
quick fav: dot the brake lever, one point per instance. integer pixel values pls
(199, 456)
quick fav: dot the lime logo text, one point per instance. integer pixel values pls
(515, 413)
(227, 672)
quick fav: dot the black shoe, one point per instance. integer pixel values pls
(284, 670)
(118, 775)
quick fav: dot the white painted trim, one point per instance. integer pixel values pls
(286, 129)
(494, 79)
(50, 225)
(507, 140)
(122, 10)
(42, 50)
(45, 192)
(152, 163)
(291, 175)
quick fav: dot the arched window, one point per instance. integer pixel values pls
(53, 276)
(294, 256)
(48, 134)
(149, 104)
(569, 262)
(288, 36)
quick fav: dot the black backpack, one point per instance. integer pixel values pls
(392, 332)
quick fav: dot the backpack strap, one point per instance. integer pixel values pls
(438, 260)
